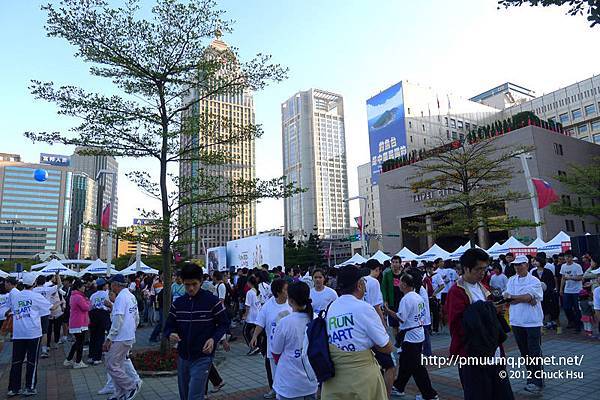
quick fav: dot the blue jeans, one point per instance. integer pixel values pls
(192, 376)
(571, 307)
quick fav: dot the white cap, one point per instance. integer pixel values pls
(29, 278)
(521, 260)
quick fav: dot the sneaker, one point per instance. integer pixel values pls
(132, 393)
(253, 352)
(54, 346)
(29, 392)
(68, 363)
(12, 393)
(44, 354)
(218, 388)
(106, 390)
(397, 393)
(270, 395)
(97, 362)
(80, 365)
(531, 388)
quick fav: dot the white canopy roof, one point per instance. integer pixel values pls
(63, 262)
(433, 253)
(554, 245)
(455, 255)
(380, 256)
(3, 274)
(537, 243)
(131, 270)
(406, 254)
(355, 259)
(55, 266)
(505, 247)
(98, 267)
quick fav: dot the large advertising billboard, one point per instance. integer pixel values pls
(216, 259)
(255, 251)
(387, 129)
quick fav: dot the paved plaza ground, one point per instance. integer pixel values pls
(246, 379)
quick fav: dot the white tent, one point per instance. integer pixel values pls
(554, 245)
(433, 253)
(505, 247)
(3, 274)
(98, 267)
(380, 256)
(55, 266)
(355, 259)
(455, 255)
(537, 243)
(512, 243)
(407, 255)
(63, 262)
(131, 270)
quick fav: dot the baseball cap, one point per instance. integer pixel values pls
(348, 276)
(119, 278)
(100, 282)
(520, 260)
(29, 278)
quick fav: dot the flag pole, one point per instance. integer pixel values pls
(534, 201)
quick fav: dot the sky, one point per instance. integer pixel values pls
(355, 48)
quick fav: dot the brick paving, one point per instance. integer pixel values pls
(245, 376)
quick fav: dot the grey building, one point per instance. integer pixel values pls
(552, 155)
(84, 210)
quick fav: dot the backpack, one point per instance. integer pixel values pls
(316, 348)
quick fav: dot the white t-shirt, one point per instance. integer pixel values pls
(551, 267)
(411, 312)
(524, 314)
(253, 305)
(50, 293)
(132, 287)
(126, 305)
(475, 290)
(97, 300)
(499, 282)
(4, 306)
(425, 297)
(444, 277)
(269, 316)
(264, 292)
(221, 290)
(291, 379)
(373, 294)
(597, 299)
(572, 270)
(320, 300)
(27, 308)
(353, 325)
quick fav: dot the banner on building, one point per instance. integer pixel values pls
(254, 251)
(55, 159)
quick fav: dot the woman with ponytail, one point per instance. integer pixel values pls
(291, 380)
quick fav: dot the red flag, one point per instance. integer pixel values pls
(77, 247)
(105, 221)
(546, 195)
(359, 224)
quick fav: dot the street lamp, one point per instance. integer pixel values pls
(112, 200)
(363, 212)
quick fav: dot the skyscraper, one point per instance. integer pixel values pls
(314, 156)
(238, 108)
(84, 210)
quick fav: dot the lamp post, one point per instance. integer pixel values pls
(363, 212)
(112, 200)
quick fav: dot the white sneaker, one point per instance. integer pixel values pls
(397, 393)
(106, 390)
(531, 388)
(269, 395)
(68, 363)
(80, 365)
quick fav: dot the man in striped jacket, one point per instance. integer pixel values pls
(197, 321)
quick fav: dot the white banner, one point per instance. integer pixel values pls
(254, 251)
(216, 259)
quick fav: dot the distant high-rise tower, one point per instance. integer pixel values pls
(314, 156)
(238, 108)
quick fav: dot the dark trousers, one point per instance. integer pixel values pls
(434, 307)
(99, 324)
(77, 348)
(213, 377)
(484, 382)
(409, 364)
(247, 332)
(158, 328)
(571, 307)
(54, 325)
(529, 341)
(269, 372)
(427, 342)
(24, 348)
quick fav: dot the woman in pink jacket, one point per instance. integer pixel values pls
(78, 324)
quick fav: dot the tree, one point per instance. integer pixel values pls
(161, 68)
(582, 181)
(470, 188)
(576, 7)
(303, 253)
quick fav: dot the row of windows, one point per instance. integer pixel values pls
(568, 100)
(28, 199)
(576, 114)
(570, 226)
(29, 204)
(32, 190)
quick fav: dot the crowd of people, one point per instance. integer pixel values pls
(379, 320)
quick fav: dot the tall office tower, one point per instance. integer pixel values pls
(371, 210)
(34, 215)
(314, 157)
(83, 241)
(91, 165)
(239, 109)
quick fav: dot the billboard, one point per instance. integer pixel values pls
(387, 128)
(55, 159)
(216, 259)
(254, 251)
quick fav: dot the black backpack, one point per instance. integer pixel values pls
(317, 350)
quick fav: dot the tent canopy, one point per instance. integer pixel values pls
(131, 270)
(505, 247)
(537, 243)
(98, 267)
(3, 274)
(407, 255)
(355, 259)
(433, 253)
(380, 256)
(554, 245)
(55, 266)
(455, 255)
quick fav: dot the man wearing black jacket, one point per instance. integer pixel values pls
(197, 321)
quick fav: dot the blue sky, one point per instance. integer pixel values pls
(352, 47)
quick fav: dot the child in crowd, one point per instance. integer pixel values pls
(587, 310)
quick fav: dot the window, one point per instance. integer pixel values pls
(590, 109)
(576, 113)
(448, 134)
(408, 110)
(564, 118)
(454, 135)
(561, 173)
(424, 141)
(411, 139)
(596, 125)
(583, 226)
(570, 225)
(460, 124)
(461, 136)
(597, 139)
(565, 199)
(446, 120)
(558, 149)
(452, 123)
(582, 129)
(409, 124)
(467, 126)
(423, 127)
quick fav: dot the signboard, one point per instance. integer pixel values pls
(216, 259)
(254, 251)
(143, 221)
(387, 128)
(564, 246)
(523, 251)
(55, 159)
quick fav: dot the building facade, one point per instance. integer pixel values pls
(314, 158)
(504, 96)
(83, 240)
(372, 217)
(34, 215)
(552, 154)
(239, 109)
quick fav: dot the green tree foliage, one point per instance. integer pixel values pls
(582, 182)
(303, 253)
(576, 7)
(162, 67)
